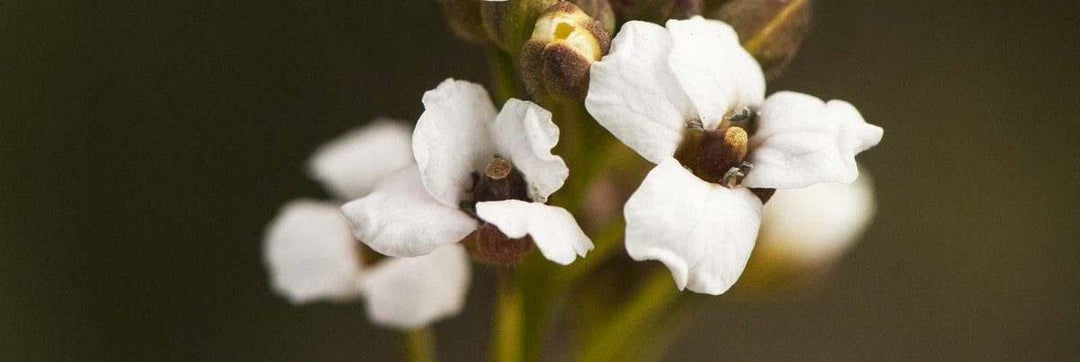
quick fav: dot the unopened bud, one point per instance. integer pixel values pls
(601, 11)
(509, 23)
(463, 18)
(564, 44)
(656, 11)
(771, 30)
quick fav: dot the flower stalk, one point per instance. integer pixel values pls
(420, 345)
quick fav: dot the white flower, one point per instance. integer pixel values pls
(311, 254)
(471, 158)
(797, 228)
(682, 97)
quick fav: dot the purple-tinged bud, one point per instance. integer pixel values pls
(564, 44)
(463, 19)
(771, 30)
(656, 11)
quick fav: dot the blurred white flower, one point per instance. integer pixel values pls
(814, 226)
(472, 163)
(657, 86)
(312, 255)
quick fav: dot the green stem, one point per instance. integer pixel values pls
(503, 75)
(616, 337)
(509, 324)
(606, 242)
(420, 345)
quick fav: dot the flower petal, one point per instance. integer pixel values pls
(524, 134)
(553, 229)
(816, 224)
(702, 232)
(451, 140)
(713, 69)
(634, 94)
(310, 253)
(408, 293)
(351, 165)
(400, 219)
(801, 141)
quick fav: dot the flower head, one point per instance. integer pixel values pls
(311, 254)
(481, 177)
(688, 98)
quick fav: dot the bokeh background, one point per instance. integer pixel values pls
(144, 146)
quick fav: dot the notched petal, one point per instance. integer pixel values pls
(451, 140)
(553, 229)
(801, 140)
(400, 219)
(524, 133)
(702, 232)
(635, 95)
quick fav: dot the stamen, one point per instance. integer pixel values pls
(740, 117)
(732, 177)
(695, 124)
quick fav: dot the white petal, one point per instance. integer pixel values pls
(310, 253)
(801, 141)
(816, 224)
(713, 69)
(524, 134)
(553, 229)
(634, 94)
(452, 140)
(702, 232)
(408, 293)
(351, 165)
(400, 219)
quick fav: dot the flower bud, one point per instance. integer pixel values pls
(656, 11)
(564, 44)
(463, 18)
(600, 10)
(771, 30)
(509, 23)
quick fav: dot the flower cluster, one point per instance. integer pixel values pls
(476, 181)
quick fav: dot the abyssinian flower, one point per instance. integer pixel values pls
(311, 254)
(482, 177)
(689, 99)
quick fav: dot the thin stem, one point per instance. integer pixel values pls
(616, 337)
(509, 324)
(420, 345)
(606, 242)
(503, 75)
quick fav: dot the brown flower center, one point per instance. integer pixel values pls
(499, 181)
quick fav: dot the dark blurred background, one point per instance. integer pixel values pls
(144, 146)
